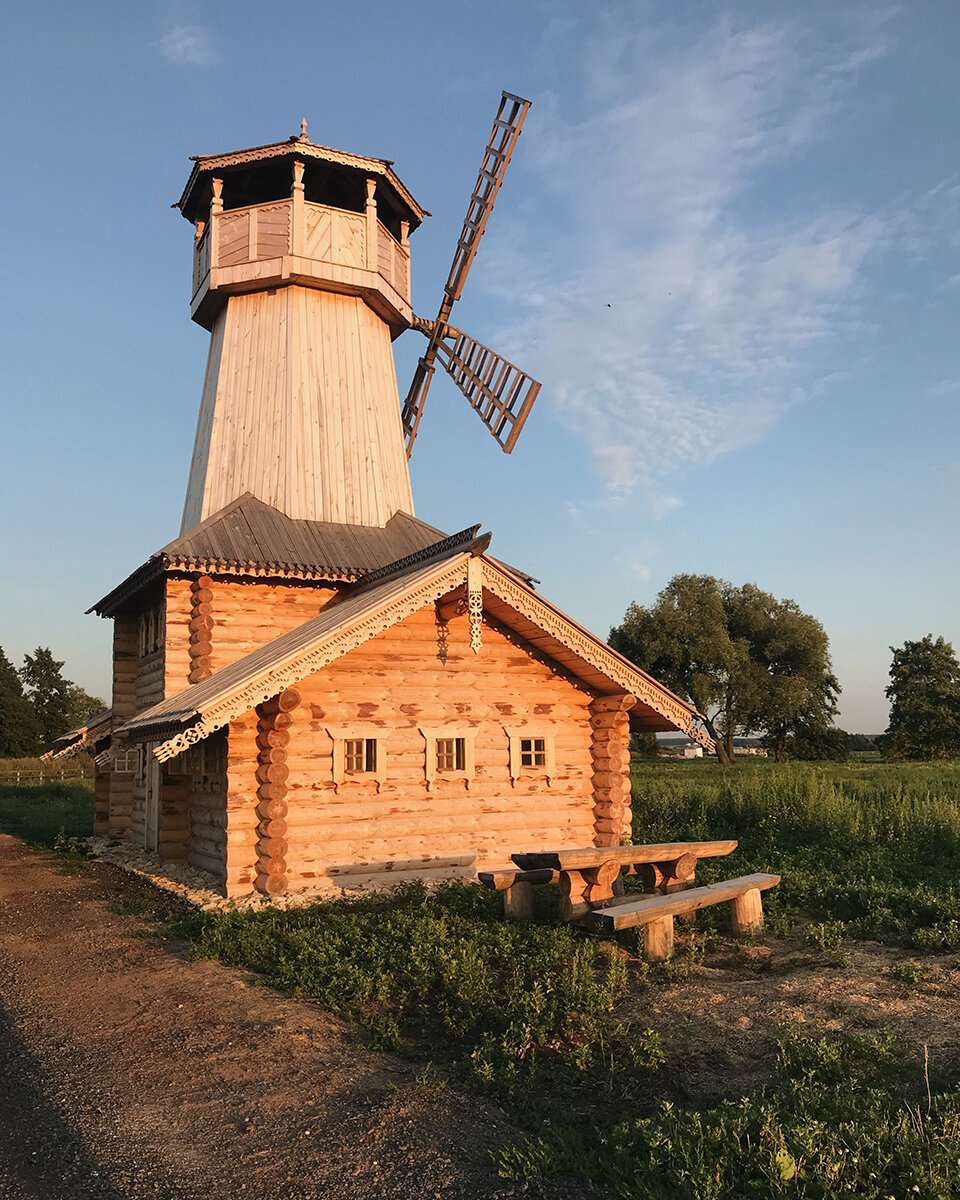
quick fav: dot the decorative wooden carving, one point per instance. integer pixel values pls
(475, 602)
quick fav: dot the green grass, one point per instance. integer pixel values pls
(873, 849)
(847, 1116)
(40, 815)
(549, 1022)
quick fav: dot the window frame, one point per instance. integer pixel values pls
(516, 735)
(339, 736)
(431, 771)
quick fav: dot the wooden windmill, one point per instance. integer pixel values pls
(302, 277)
(311, 687)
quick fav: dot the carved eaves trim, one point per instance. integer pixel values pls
(329, 648)
(591, 650)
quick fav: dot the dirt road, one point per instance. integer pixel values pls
(127, 1071)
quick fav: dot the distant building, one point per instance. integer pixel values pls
(692, 750)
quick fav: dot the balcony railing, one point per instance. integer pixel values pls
(326, 235)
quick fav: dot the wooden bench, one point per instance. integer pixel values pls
(656, 913)
(591, 876)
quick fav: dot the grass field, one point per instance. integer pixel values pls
(42, 814)
(602, 1060)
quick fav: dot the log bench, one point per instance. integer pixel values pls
(656, 913)
(591, 888)
(591, 876)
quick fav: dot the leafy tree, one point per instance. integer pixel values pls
(860, 742)
(81, 706)
(644, 745)
(818, 743)
(48, 692)
(746, 661)
(18, 722)
(924, 691)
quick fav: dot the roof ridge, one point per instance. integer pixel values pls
(419, 558)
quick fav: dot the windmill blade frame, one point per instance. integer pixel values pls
(507, 127)
(498, 391)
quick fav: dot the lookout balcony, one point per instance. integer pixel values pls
(296, 213)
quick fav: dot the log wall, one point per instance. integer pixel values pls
(418, 675)
(213, 621)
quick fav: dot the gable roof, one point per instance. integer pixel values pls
(96, 728)
(249, 537)
(371, 608)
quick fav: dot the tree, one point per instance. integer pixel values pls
(818, 743)
(860, 742)
(48, 693)
(81, 706)
(745, 660)
(924, 692)
(644, 745)
(18, 722)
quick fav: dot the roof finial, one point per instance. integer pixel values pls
(303, 130)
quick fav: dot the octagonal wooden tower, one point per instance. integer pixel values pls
(302, 275)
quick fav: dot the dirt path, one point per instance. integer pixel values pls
(127, 1071)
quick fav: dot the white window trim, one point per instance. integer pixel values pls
(517, 770)
(430, 772)
(340, 735)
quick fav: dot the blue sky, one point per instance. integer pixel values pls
(729, 245)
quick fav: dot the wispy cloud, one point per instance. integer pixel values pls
(188, 45)
(673, 304)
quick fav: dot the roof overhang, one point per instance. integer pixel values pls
(82, 737)
(205, 165)
(382, 602)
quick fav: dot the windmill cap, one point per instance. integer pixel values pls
(194, 201)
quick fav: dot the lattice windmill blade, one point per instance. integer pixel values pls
(506, 129)
(499, 392)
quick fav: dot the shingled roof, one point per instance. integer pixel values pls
(381, 601)
(248, 537)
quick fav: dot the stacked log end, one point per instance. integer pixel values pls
(273, 736)
(610, 724)
(201, 628)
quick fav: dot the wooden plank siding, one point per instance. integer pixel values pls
(300, 408)
(389, 688)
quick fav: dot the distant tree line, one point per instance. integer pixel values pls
(38, 704)
(753, 665)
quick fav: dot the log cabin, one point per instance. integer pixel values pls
(312, 688)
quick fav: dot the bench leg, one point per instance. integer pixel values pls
(573, 891)
(747, 913)
(518, 901)
(658, 939)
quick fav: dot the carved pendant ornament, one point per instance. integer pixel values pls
(475, 602)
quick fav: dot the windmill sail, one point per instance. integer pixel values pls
(500, 147)
(498, 391)
(503, 139)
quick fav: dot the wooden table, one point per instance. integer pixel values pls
(590, 877)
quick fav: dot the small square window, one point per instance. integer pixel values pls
(533, 752)
(359, 755)
(451, 754)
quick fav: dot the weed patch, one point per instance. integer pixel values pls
(839, 1118)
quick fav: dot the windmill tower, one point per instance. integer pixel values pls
(302, 277)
